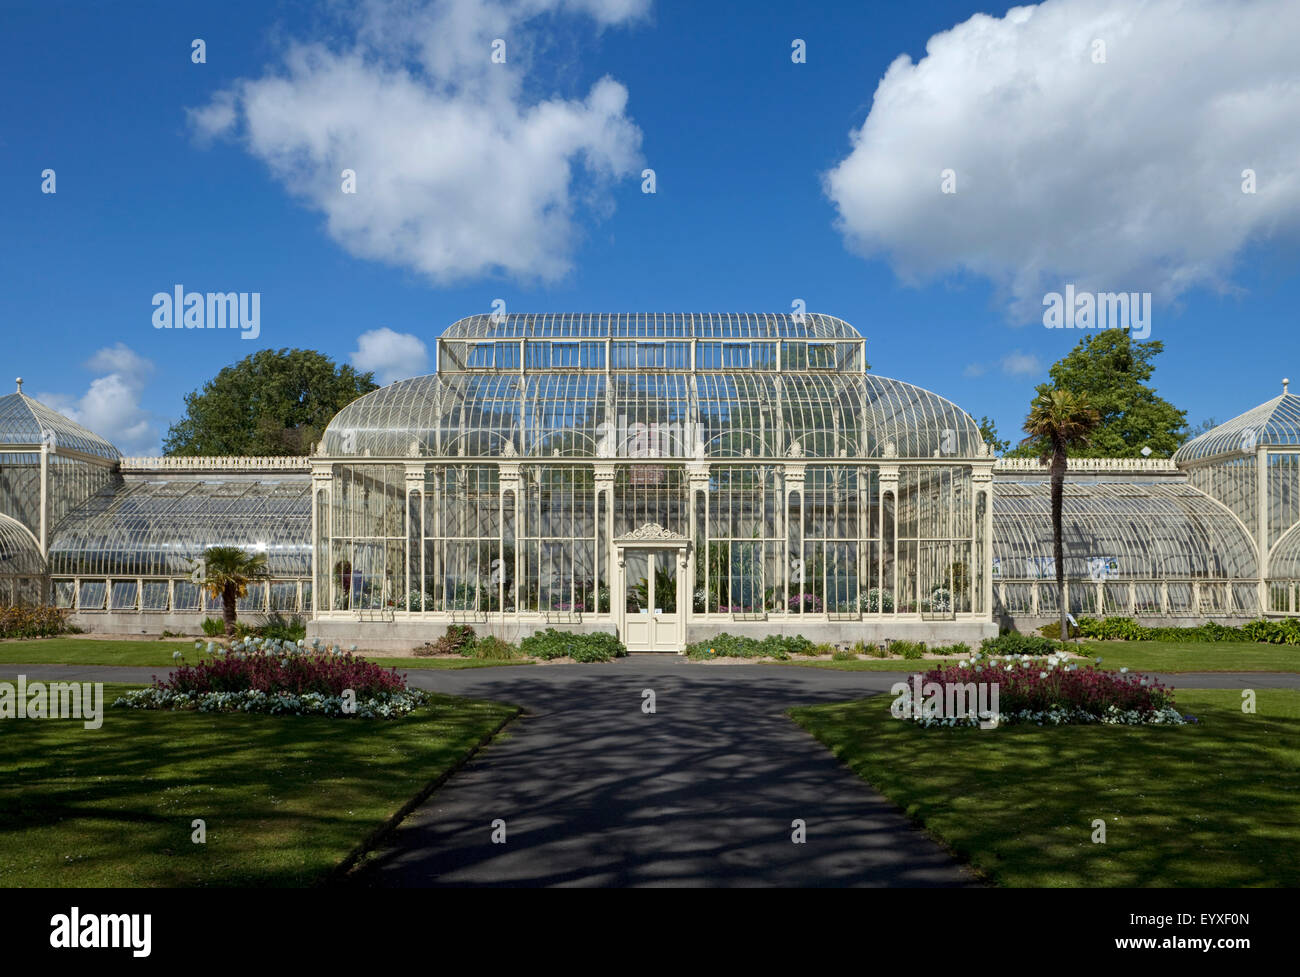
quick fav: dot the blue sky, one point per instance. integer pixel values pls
(1123, 174)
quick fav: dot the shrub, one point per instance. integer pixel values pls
(958, 650)
(1052, 629)
(844, 655)
(33, 622)
(213, 628)
(724, 645)
(550, 644)
(282, 627)
(491, 648)
(1014, 643)
(910, 650)
(1284, 632)
(823, 649)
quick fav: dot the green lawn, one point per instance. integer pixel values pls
(1146, 656)
(285, 799)
(1212, 804)
(1218, 656)
(155, 653)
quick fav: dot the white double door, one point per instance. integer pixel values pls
(654, 618)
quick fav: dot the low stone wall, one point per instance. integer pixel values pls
(405, 636)
(847, 632)
(128, 623)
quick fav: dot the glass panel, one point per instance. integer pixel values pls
(637, 581)
(665, 583)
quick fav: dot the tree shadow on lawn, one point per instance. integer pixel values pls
(1211, 804)
(284, 798)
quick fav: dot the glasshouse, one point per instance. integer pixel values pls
(660, 477)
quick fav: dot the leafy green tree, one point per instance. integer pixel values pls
(989, 432)
(275, 402)
(226, 573)
(1058, 422)
(1113, 372)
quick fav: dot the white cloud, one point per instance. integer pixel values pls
(110, 407)
(391, 355)
(974, 370)
(460, 171)
(1017, 363)
(1125, 175)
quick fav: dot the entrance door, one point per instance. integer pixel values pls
(651, 621)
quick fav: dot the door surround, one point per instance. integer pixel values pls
(671, 636)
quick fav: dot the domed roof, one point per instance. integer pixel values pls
(29, 423)
(19, 553)
(1273, 423)
(670, 414)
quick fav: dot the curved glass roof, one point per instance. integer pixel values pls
(1275, 423)
(664, 414)
(19, 554)
(682, 325)
(1148, 529)
(160, 527)
(28, 422)
(1284, 564)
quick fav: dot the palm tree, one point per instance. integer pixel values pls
(1058, 421)
(227, 572)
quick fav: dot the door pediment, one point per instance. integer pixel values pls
(654, 533)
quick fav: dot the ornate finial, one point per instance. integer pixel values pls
(1286, 382)
(19, 381)
(796, 449)
(508, 450)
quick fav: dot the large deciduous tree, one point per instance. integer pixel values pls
(275, 402)
(1112, 372)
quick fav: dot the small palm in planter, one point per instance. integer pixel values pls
(227, 572)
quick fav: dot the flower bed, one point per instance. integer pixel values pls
(1043, 692)
(387, 705)
(266, 675)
